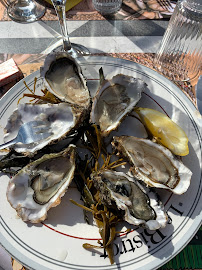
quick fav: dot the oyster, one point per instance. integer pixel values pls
(114, 99)
(41, 184)
(140, 205)
(63, 77)
(61, 118)
(154, 164)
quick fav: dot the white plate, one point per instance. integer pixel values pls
(57, 243)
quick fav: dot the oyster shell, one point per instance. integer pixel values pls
(61, 118)
(140, 205)
(63, 77)
(114, 99)
(154, 164)
(41, 184)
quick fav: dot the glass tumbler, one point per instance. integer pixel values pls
(25, 11)
(180, 54)
(106, 7)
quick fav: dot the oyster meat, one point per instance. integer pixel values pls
(41, 184)
(139, 204)
(61, 118)
(114, 99)
(154, 164)
(63, 77)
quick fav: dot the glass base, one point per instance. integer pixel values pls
(177, 75)
(107, 7)
(25, 11)
(76, 50)
(175, 69)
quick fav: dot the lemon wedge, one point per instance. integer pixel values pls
(165, 131)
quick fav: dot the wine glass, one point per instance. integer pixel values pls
(75, 50)
(25, 10)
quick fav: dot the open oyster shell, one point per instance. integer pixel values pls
(63, 77)
(114, 99)
(61, 119)
(140, 205)
(41, 184)
(154, 164)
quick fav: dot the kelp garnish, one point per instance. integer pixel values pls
(106, 222)
(106, 219)
(45, 97)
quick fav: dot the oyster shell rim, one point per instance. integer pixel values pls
(182, 185)
(55, 200)
(78, 117)
(102, 87)
(155, 203)
(54, 56)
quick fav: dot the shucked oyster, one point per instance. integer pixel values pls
(114, 99)
(63, 77)
(61, 118)
(154, 164)
(41, 184)
(140, 204)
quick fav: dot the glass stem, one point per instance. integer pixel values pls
(60, 10)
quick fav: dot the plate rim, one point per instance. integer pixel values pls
(13, 89)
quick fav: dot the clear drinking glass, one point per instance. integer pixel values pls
(73, 49)
(180, 54)
(107, 6)
(25, 10)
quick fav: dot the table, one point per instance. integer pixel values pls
(132, 39)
